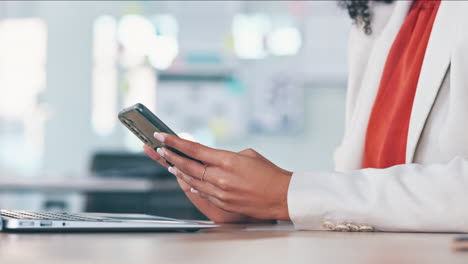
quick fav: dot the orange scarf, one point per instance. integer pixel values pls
(387, 130)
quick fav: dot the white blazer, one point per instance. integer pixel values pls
(430, 192)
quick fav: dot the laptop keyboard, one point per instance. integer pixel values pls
(60, 216)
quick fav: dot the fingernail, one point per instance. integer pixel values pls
(161, 152)
(172, 170)
(158, 136)
(192, 190)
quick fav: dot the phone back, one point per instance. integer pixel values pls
(143, 123)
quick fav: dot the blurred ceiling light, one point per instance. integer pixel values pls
(249, 33)
(163, 51)
(164, 46)
(105, 34)
(284, 41)
(135, 33)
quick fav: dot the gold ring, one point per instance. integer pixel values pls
(204, 171)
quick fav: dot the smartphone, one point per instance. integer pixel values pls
(143, 123)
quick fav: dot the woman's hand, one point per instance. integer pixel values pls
(214, 213)
(240, 183)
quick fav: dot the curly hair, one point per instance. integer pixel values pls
(359, 11)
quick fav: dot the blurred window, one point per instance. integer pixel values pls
(104, 90)
(23, 47)
(256, 36)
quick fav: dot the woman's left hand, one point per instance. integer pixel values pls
(233, 182)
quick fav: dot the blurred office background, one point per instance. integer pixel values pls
(268, 75)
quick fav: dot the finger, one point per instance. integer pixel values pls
(195, 169)
(217, 202)
(192, 149)
(150, 152)
(188, 166)
(155, 156)
(202, 186)
(183, 185)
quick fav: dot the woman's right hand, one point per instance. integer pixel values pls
(214, 213)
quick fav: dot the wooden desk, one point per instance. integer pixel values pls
(230, 244)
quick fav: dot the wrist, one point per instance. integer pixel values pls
(283, 211)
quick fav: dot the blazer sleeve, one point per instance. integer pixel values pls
(408, 197)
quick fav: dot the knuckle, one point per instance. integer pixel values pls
(222, 196)
(250, 151)
(229, 161)
(223, 184)
(191, 180)
(184, 166)
(169, 139)
(167, 155)
(193, 148)
(196, 183)
(171, 156)
(188, 179)
(195, 169)
(226, 197)
(221, 204)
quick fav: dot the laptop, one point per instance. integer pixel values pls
(29, 221)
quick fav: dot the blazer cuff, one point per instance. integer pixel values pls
(325, 201)
(305, 206)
